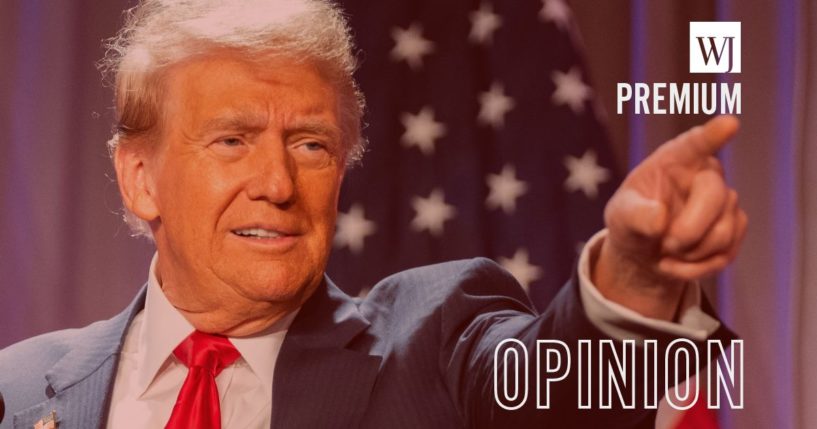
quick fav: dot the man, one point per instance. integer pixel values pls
(237, 121)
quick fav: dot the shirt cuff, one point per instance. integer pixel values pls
(622, 323)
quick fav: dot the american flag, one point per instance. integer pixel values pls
(485, 140)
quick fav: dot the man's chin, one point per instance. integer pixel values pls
(274, 288)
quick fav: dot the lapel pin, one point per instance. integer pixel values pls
(47, 422)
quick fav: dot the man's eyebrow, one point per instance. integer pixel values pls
(241, 121)
(314, 127)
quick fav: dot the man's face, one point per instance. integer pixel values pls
(246, 180)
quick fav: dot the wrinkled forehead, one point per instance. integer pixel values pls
(223, 90)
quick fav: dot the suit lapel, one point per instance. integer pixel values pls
(80, 383)
(318, 381)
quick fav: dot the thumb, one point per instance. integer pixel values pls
(629, 213)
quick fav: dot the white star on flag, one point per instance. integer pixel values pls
(505, 189)
(484, 22)
(557, 12)
(353, 228)
(494, 105)
(431, 212)
(585, 174)
(570, 89)
(410, 46)
(421, 130)
(521, 268)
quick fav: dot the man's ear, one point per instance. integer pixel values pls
(135, 185)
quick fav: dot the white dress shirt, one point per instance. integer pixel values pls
(622, 323)
(149, 377)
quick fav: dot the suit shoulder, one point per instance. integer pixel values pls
(23, 367)
(36, 351)
(465, 287)
(28, 368)
(477, 275)
(32, 357)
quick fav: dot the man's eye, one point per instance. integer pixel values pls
(230, 147)
(313, 146)
(312, 154)
(231, 141)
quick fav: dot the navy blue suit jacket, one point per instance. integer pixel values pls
(417, 352)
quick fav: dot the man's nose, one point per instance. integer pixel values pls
(273, 174)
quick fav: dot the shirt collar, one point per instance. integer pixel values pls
(165, 327)
(260, 351)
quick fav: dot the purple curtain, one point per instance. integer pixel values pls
(65, 257)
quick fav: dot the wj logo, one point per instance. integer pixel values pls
(714, 47)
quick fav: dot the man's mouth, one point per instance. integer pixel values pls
(259, 233)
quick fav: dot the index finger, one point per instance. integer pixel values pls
(702, 141)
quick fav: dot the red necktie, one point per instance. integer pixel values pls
(205, 355)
